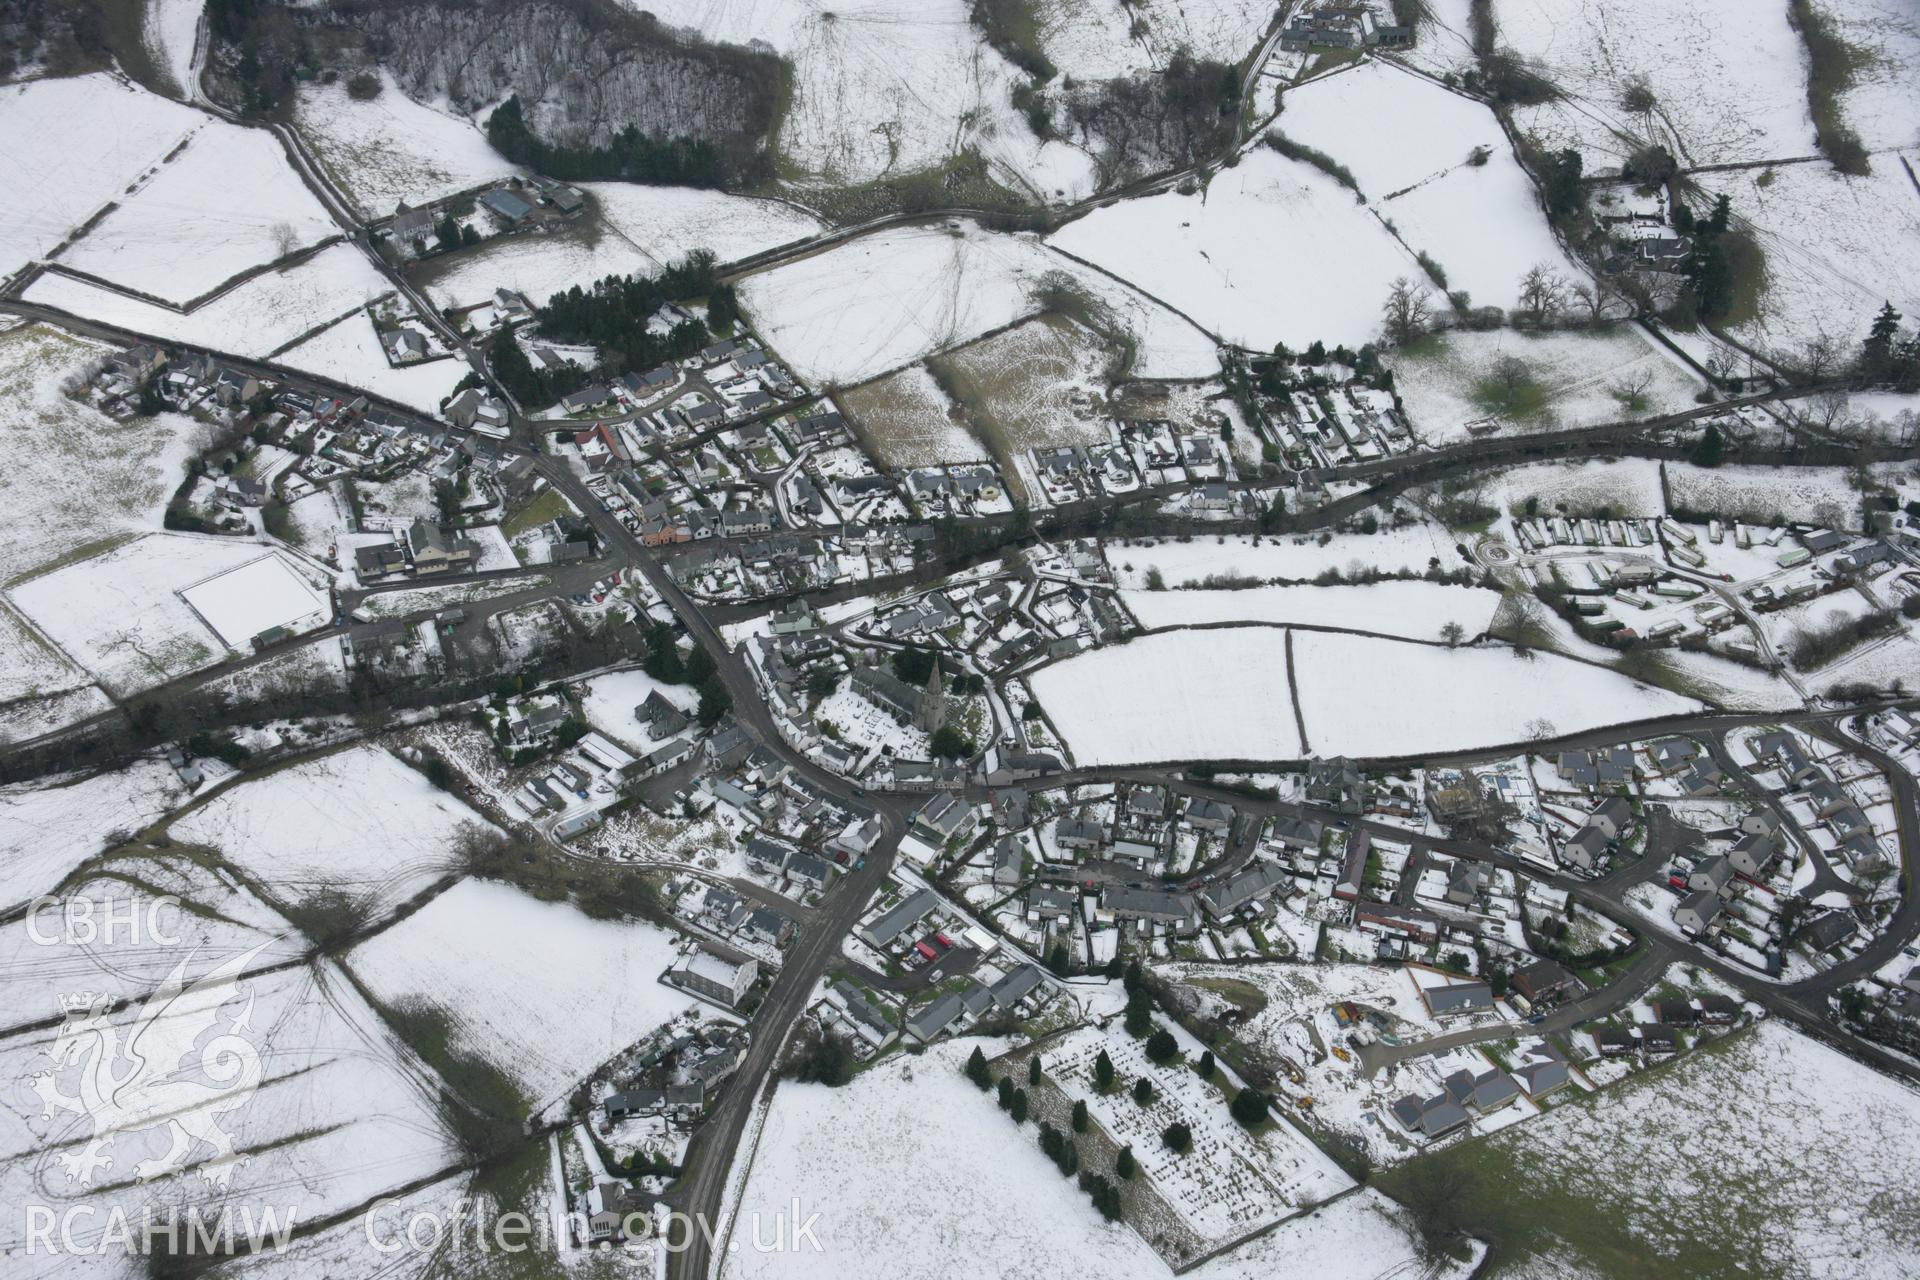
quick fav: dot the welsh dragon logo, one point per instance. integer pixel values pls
(167, 1072)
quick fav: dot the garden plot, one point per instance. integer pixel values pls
(258, 318)
(888, 299)
(1039, 385)
(74, 479)
(910, 422)
(1746, 1158)
(1418, 697)
(122, 616)
(547, 1012)
(70, 146)
(393, 150)
(1274, 251)
(357, 823)
(226, 203)
(1836, 247)
(1414, 610)
(1182, 563)
(873, 1142)
(1218, 694)
(1537, 381)
(338, 1118)
(536, 267)
(668, 223)
(264, 594)
(1767, 495)
(1728, 78)
(349, 353)
(48, 830)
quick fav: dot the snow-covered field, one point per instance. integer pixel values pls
(885, 88)
(393, 149)
(1222, 693)
(1790, 1158)
(860, 1157)
(885, 300)
(1274, 251)
(1728, 77)
(1630, 486)
(1416, 697)
(1179, 695)
(1821, 495)
(1836, 247)
(536, 267)
(1042, 382)
(1415, 610)
(566, 994)
(73, 475)
(349, 352)
(257, 318)
(69, 147)
(122, 614)
(169, 32)
(1586, 378)
(1880, 104)
(1094, 40)
(257, 596)
(227, 202)
(668, 223)
(358, 822)
(48, 829)
(910, 421)
(338, 1116)
(1297, 559)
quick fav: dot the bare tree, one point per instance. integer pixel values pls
(284, 239)
(1453, 633)
(1593, 299)
(1828, 411)
(1407, 310)
(1543, 291)
(1720, 366)
(1818, 358)
(1631, 389)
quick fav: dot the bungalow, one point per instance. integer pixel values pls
(1016, 986)
(1657, 1038)
(1051, 904)
(883, 930)
(1209, 815)
(862, 1015)
(1453, 998)
(1612, 816)
(1751, 854)
(1612, 1042)
(926, 1025)
(1716, 1010)
(1585, 849)
(1248, 885)
(1697, 911)
(403, 345)
(1543, 1075)
(1826, 931)
(1713, 875)
(1761, 822)
(1417, 925)
(585, 399)
(1077, 833)
(1676, 1013)
(1297, 833)
(1150, 906)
